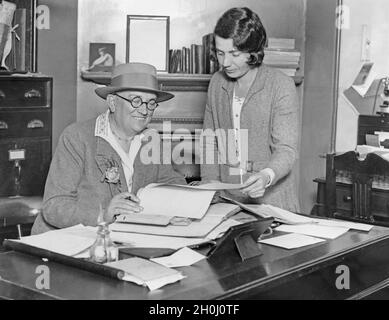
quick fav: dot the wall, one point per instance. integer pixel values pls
(105, 21)
(319, 95)
(57, 57)
(375, 15)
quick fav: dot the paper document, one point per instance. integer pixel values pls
(291, 241)
(59, 242)
(174, 201)
(218, 186)
(182, 258)
(344, 224)
(196, 229)
(145, 272)
(139, 218)
(314, 230)
(284, 216)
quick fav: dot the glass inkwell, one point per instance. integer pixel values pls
(103, 250)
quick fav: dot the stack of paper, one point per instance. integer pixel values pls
(146, 273)
(196, 229)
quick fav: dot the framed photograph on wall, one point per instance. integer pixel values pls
(17, 36)
(101, 57)
(148, 40)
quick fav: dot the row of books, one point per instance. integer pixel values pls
(281, 53)
(200, 59)
(197, 59)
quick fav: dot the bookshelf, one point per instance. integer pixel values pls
(170, 81)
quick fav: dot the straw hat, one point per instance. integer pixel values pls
(135, 77)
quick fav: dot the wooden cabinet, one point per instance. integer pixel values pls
(344, 206)
(25, 125)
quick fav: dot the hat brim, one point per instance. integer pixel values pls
(103, 92)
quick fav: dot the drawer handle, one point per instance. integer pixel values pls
(35, 124)
(32, 94)
(3, 125)
(347, 198)
(2, 95)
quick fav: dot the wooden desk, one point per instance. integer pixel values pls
(305, 273)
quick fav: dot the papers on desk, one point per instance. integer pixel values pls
(196, 229)
(147, 273)
(344, 224)
(292, 241)
(59, 242)
(314, 230)
(182, 258)
(174, 201)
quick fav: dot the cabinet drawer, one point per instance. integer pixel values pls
(34, 168)
(344, 198)
(24, 93)
(379, 201)
(25, 124)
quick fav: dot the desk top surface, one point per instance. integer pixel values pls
(205, 280)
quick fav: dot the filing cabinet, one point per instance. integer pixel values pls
(25, 134)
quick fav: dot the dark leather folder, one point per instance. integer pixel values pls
(240, 240)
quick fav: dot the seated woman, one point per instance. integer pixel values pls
(100, 162)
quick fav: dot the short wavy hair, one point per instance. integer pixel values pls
(245, 28)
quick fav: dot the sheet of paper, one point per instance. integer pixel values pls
(344, 224)
(221, 229)
(284, 215)
(292, 241)
(182, 258)
(196, 229)
(59, 242)
(149, 273)
(314, 230)
(175, 201)
(216, 186)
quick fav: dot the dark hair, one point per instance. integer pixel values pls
(246, 30)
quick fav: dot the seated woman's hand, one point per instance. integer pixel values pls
(256, 185)
(123, 203)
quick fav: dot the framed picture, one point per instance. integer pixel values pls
(101, 57)
(148, 40)
(17, 36)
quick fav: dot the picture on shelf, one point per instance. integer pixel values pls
(148, 40)
(101, 57)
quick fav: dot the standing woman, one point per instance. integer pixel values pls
(259, 105)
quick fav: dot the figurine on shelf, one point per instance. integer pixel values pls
(7, 10)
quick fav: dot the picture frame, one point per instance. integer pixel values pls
(101, 57)
(19, 52)
(148, 40)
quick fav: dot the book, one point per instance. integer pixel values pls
(282, 43)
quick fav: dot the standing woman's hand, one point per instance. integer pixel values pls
(123, 203)
(256, 185)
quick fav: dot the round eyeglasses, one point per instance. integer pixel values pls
(137, 102)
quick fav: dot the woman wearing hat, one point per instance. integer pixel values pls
(99, 163)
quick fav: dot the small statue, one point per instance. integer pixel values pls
(7, 10)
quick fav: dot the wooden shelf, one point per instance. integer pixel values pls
(169, 81)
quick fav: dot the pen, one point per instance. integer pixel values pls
(203, 245)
